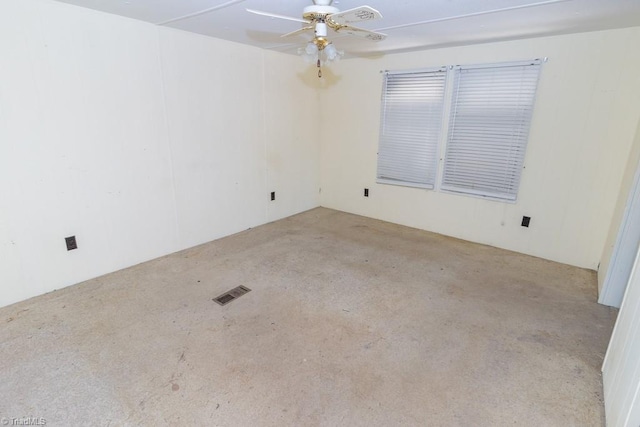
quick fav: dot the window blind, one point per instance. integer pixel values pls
(489, 127)
(412, 105)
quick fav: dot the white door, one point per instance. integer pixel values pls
(625, 249)
(621, 367)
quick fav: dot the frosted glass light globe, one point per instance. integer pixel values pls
(311, 49)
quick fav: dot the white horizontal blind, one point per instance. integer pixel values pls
(489, 127)
(411, 121)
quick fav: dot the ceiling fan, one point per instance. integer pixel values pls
(319, 17)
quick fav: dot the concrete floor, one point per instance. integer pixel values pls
(350, 321)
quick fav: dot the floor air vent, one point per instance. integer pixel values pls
(229, 296)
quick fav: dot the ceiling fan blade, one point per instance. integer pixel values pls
(361, 32)
(275, 15)
(358, 14)
(296, 32)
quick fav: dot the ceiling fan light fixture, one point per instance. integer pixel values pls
(323, 50)
(311, 49)
(308, 58)
(332, 53)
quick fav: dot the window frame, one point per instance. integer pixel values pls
(519, 125)
(444, 72)
(448, 107)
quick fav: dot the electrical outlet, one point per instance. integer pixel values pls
(273, 195)
(525, 221)
(366, 192)
(71, 243)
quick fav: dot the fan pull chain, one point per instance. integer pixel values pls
(319, 69)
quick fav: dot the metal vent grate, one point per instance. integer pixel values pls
(229, 296)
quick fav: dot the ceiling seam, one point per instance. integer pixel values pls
(201, 12)
(470, 15)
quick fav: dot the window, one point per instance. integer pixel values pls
(488, 128)
(411, 119)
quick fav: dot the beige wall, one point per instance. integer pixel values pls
(583, 127)
(140, 140)
(143, 140)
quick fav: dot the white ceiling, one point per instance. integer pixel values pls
(409, 24)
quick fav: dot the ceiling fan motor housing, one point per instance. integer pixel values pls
(321, 29)
(318, 13)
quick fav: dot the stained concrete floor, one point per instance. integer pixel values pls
(350, 321)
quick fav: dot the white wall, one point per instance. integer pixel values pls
(621, 368)
(139, 140)
(583, 127)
